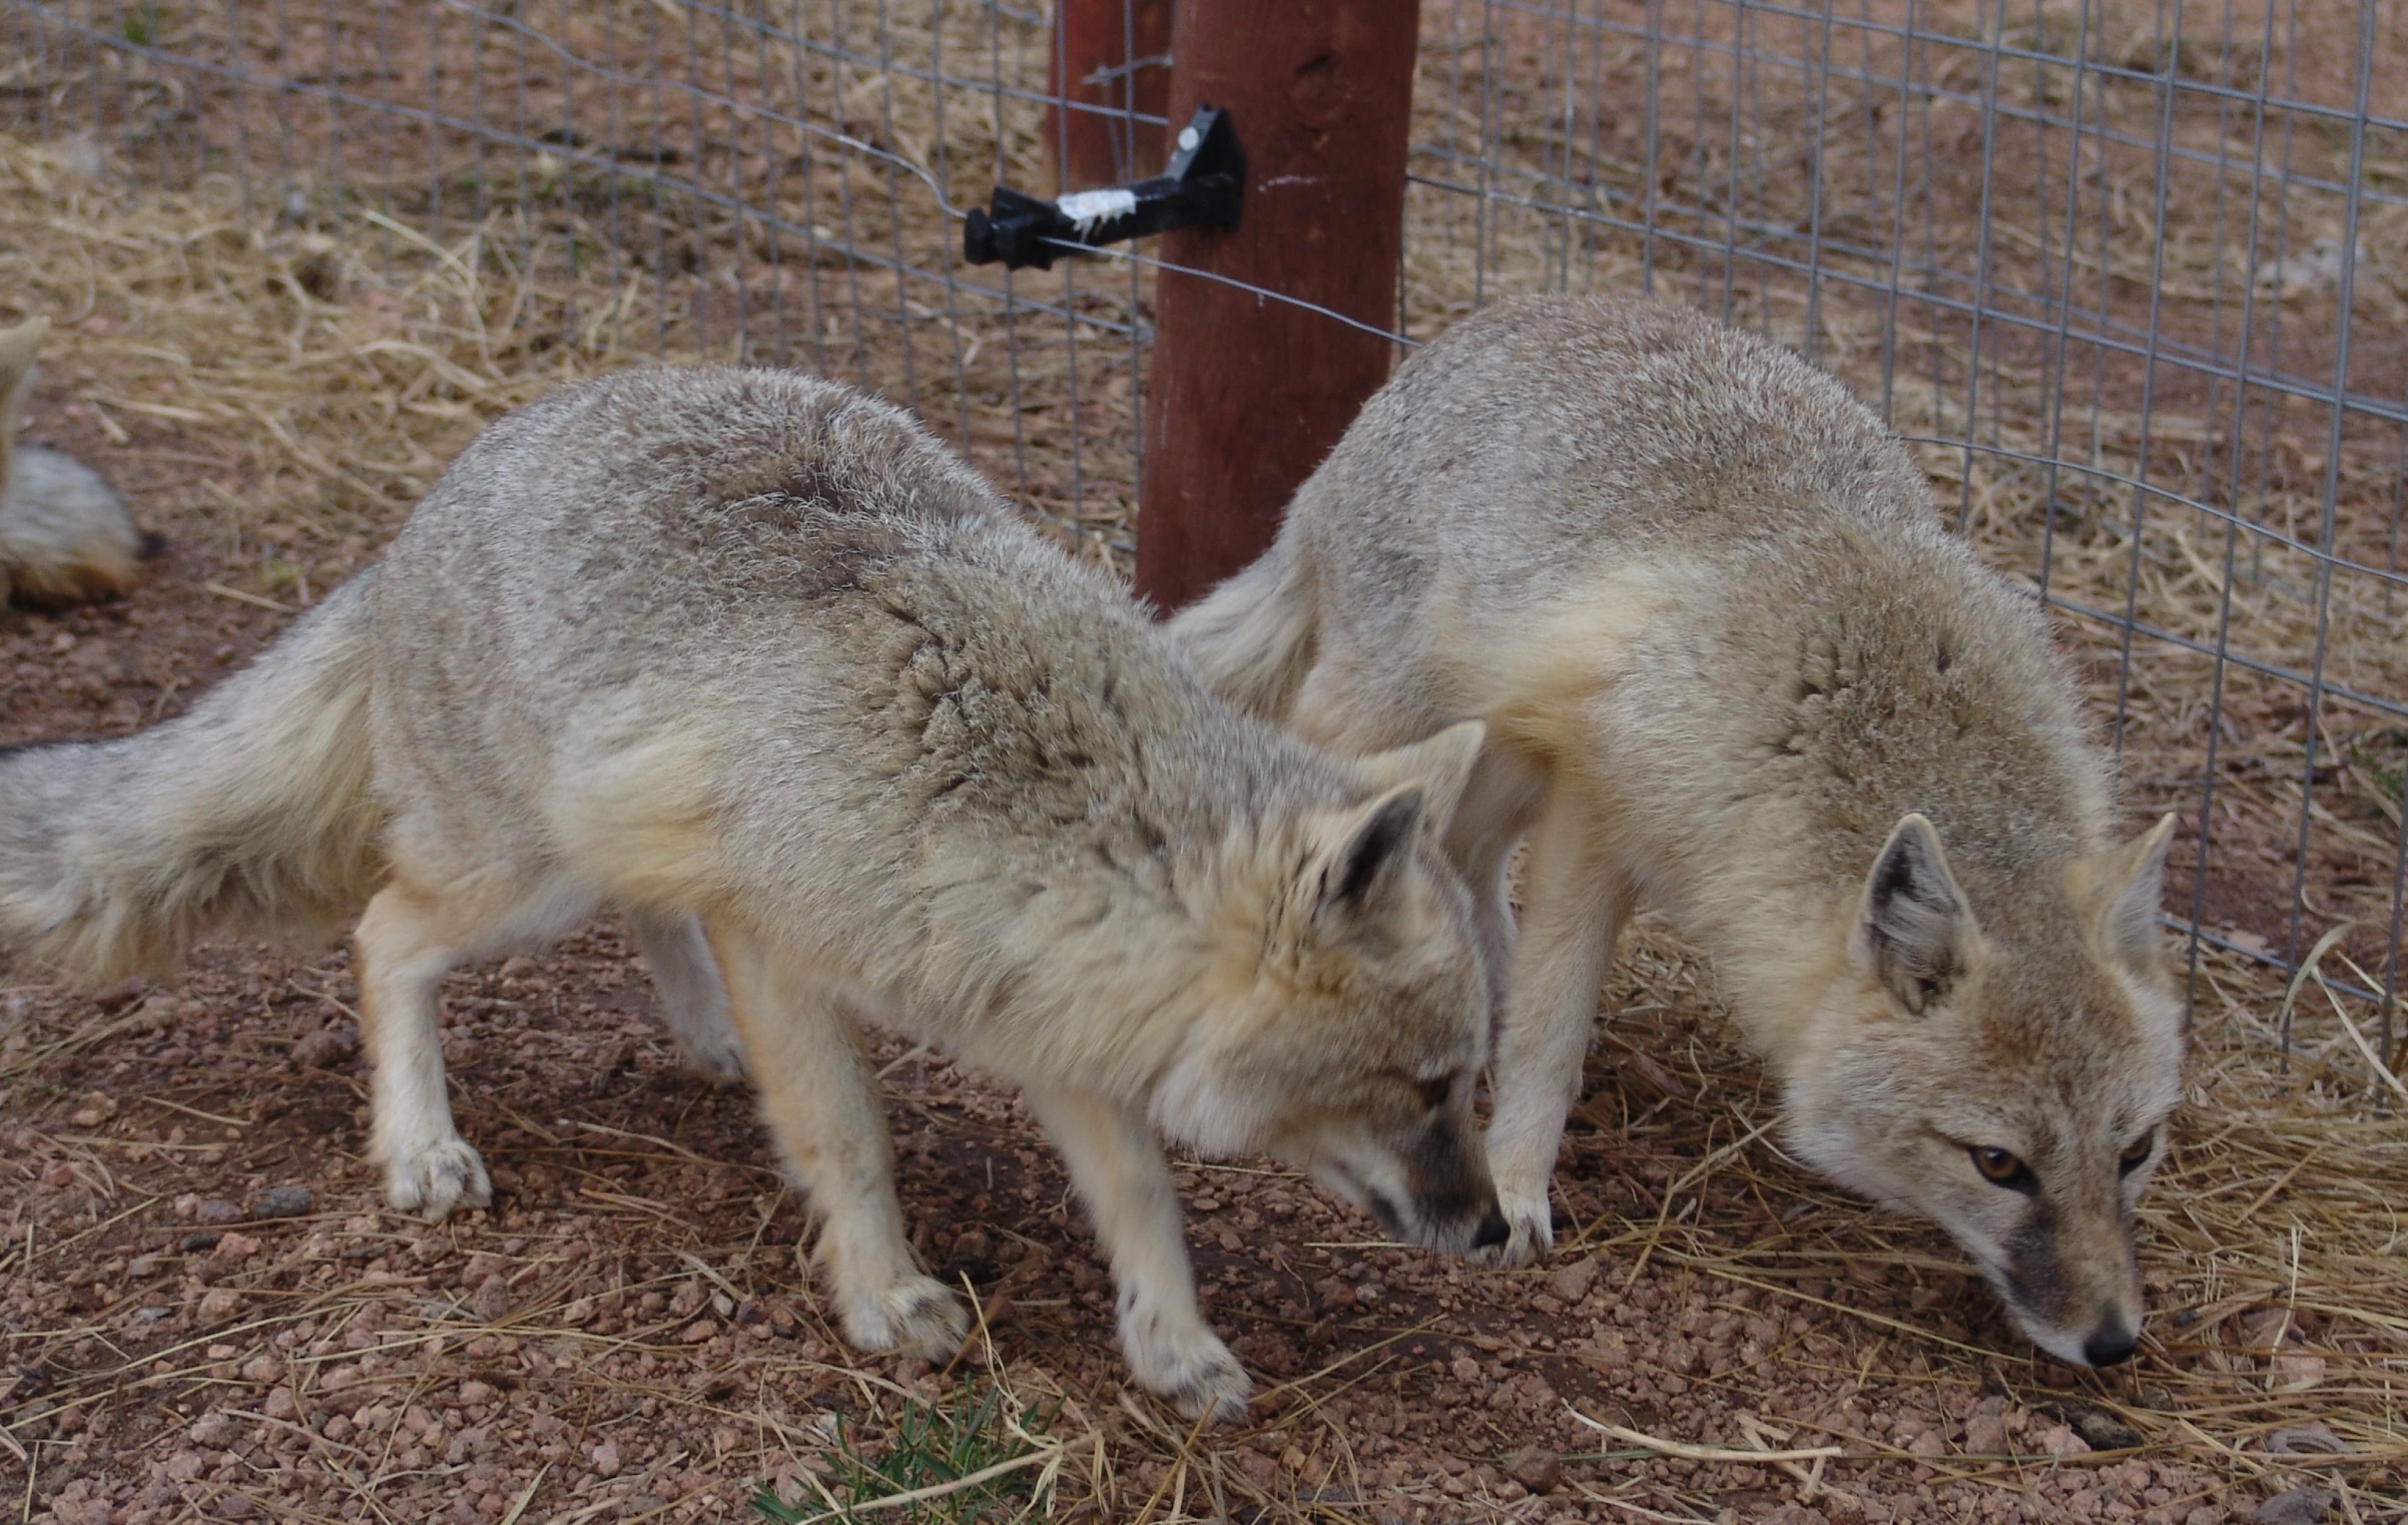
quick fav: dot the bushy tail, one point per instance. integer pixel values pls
(1255, 636)
(250, 813)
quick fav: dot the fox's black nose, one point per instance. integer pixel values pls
(1492, 1233)
(2109, 1344)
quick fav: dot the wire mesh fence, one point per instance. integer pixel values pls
(2127, 273)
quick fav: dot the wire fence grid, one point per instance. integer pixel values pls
(2132, 277)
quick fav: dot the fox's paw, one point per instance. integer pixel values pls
(918, 1315)
(717, 1058)
(435, 1179)
(1195, 1373)
(1533, 1235)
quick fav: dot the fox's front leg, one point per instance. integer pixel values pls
(1572, 905)
(1119, 1171)
(816, 1096)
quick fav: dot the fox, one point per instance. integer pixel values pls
(753, 657)
(64, 534)
(1733, 667)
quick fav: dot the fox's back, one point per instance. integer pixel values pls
(1542, 444)
(1566, 513)
(751, 594)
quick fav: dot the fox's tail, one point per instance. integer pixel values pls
(1255, 636)
(250, 813)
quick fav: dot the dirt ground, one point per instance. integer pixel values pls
(206, 1312)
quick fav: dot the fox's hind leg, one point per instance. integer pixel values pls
(1119, 1169)
(409, 940)
(692, 996)
(1572, 907)
(816, 1094)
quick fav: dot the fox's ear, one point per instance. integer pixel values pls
(1354, 876)
(1441, 766)
(2125, 887)
(1913, 931)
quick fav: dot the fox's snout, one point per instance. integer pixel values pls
(2073, 1285)
(2111, 1344)
(1452, 1196)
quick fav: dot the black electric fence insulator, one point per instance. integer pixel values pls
(1200, 187)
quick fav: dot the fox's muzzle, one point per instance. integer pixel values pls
(2078, 1295)
(1454, 1198)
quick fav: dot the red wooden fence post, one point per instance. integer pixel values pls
(1107, 53)
(1247, 395)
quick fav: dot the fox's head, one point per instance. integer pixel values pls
(1349, 1008)
(2009, 1081)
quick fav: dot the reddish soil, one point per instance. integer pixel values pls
(627, 1335)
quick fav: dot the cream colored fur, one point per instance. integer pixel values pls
(1732, 664)
(752, 658)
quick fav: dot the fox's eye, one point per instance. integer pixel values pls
(2138, 1155)
(1999, 1167)
(1436, 1092)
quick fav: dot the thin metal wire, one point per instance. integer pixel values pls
(1946, 199)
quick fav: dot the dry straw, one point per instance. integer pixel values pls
(313, 379)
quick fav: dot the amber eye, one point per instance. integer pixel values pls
(1436, 1092)
(2139, 1155)
(2001, 1167)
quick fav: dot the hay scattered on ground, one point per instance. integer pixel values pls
(629, 1336)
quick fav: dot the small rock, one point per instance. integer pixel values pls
(184, 1466)
(262, 1370)
(212, 1429)
(606, 1459)
(1929, 1443)
(220, 1303)
(2063, 1441)
(143, 1266)
(196, 1244)
(700, 1331)
(236, 1246)
(233, 1506)
(1536, 1468)
(2298, 1506)
(218, 1211)
(2305, 1439)
(491, 1300)
(473, 1392)
(1571, 1283)
(2103, 1430)
(324, 1049)
(1986, 1428)
(281, 1201)
(282, 1405)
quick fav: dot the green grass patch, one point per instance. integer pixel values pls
(934, 1445)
